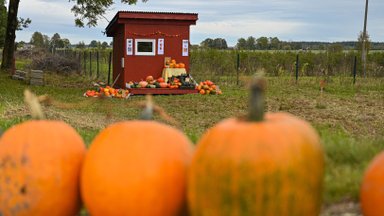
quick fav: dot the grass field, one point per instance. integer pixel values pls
(349, 118)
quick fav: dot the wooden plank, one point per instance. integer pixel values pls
(37, 75)
(21, 73)
(159, 91)
(34, 81)
(37, 71)
(17, 77)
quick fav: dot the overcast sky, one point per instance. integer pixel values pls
(289, 20)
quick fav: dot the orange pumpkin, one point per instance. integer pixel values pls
(40, 169)
(181, 65)
(149, 79)
(136, 168)
(163, 85)
(160, 79)
(372, 188)
(143, 84)
(259, 165)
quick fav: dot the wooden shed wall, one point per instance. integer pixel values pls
(138, 67)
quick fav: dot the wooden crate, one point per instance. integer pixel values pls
(37, 77)
(19, 75)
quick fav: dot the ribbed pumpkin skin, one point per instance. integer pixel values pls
(136, 168)
(40, 164)
(270, 168)
(372, 188)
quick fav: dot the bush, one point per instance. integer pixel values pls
(55, 63)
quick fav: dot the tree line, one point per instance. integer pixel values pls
(43, 41)
(274, 43)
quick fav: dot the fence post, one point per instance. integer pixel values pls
(109, 67)
(78, 55)
(237, 68)
(297, 68)
(90, 63)
(85, 63)
(354, 69)
(97, 64)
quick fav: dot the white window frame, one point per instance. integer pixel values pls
(153, 53)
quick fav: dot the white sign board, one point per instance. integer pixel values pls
(185, 47)
(160, 46)
(129, 46)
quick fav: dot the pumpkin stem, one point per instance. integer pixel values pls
(257, 99)
(34, 105)
(147, 113)
(150, 108)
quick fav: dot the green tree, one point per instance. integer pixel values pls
(87, 12)
(94, 44)
(251, 43)
(46, 40)
(104, 45)
(37, 40)
(274, 43)
(23, 23)
(220, 43)
(21, 44)
(241, 44)
(55, 41)
(262, 43)
(359, 45)
(66, 43)
(208, 43)
(80, 45)
(217, 43)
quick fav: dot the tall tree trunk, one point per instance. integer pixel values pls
(10, 36)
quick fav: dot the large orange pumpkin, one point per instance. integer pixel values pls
(40, 164)
(136, 168)
(259, 165)
(372, 188)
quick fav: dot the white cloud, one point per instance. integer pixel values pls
(247, 28)
(324, 20)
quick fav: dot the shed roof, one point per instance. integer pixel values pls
(152, 16)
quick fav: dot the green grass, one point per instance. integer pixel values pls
(348, 118)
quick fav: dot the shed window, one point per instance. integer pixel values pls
(145, 47)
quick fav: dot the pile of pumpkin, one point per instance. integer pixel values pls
(173, 64)
(262, 164)
(107, 91)
(208, 88)
(149, 82)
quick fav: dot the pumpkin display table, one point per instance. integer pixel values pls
(169, 72)
(161, 91)
(176, 79)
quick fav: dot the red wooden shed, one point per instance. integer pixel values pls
(142, 40)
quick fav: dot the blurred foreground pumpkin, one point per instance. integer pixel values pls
(40, 162)
(260, 165)
(372, 188)
(136, 168)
